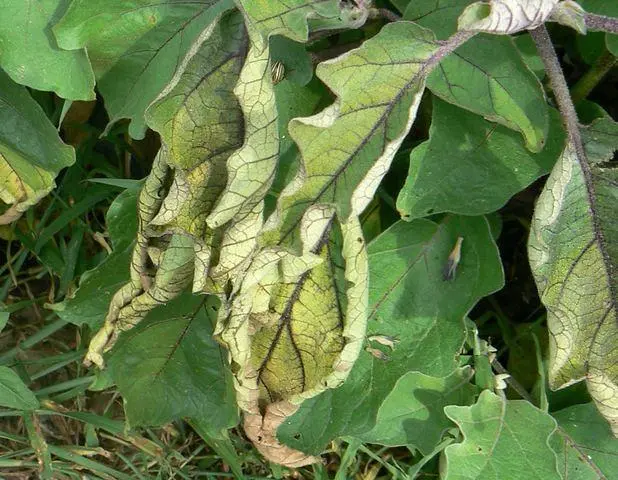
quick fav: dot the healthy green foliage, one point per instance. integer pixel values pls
(333, 199)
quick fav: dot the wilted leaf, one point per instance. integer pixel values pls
(584, 444)
(169, 367)
(413, 412)
(30, 54)
(506, 16)
(295, 328)
(288, 17)
(502, 439)
(573, 252)
(348, 147)
(135, 47)
(471, 166)
(486, 75)
(14, 393)
(90, 302)
(31, 153)
(410, 301)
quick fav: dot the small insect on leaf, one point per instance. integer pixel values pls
(278, 72)
(385, 340)
(379, 354)
(453, 261)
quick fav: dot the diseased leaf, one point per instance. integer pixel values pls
(573, 252)
(14, 393)
(90, 302)
(135, 47)
(169, 367)
(413, 412)
(502, 439)
(288, 17)
(295, 327)
(30, 54)
(31, 152)
(410, 301)
(471, 166)
(506, 16)
(486, 75)
(348, 147)
(584, 444)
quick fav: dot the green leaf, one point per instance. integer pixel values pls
(573, 252)
(408, 300)
(97, 286)
(348, 147)
(502, 439)
(584, 444)
(14, 393)
(4, 318)
(609, 9)
(471, 166)
(169, 367)
(30, 54)
(295, 327)
(287, 17)
(294, 57)
(31, 152)
(486, 75)
(135, 47)
(413, 412)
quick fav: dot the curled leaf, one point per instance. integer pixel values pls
(573, 252)
(295, 328)
(506, 16)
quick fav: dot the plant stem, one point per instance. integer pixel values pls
(601, 23)
(591, 79)
(561, 91)
(39, 445)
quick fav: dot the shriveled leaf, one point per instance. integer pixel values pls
(506, 16)
(486, 75)
(471, 166)
(31, 152)
(135, 47)
(296, 327)
(169, 367)
(573, 252)
(31, 56)
(14, 393)
(409, 300)
(90, 302)
(288, 17)
(502, 439)
(348, 147)
(584, 444)
(413, 412)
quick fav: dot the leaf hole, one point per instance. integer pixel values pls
(297, 436)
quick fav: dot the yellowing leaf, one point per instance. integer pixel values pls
(295, 328)
(31, 153)
(506, 16)
(573, 251)
(348, 147)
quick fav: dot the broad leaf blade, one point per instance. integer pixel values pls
(584, 444)
(31, 56)
(502, 439)
(348, 147)
(135, 47)
(14, 393)
(31, 152)
(573, 252)
(169, 367)
(90, 302)
(296, 327)
(413, 412)
(486, 75)
(471, 166)
(408, 300)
